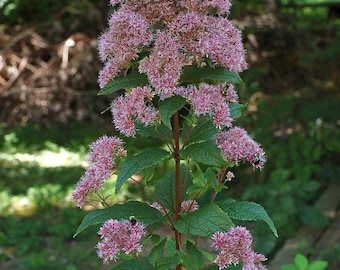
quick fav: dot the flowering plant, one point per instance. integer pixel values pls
(178, 62)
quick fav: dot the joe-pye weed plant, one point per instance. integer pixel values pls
(178, 62)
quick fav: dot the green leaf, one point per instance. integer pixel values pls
(165, 190)
(157, 252)
(245, 210)
(147, 158)
(165, 187)
(204, 152)
(204, 130)
(168, 107)
(194, 74)
(146, 131)
(143, 212)
(213, 267)
(193, 259)
(318, 265)
(204, 222)
(153, 131)
(301, 261)
(312, 216)
(236, 109)
(166, 263)
(129, 81)
(133, 264)
(207, 255)
(289, 267)
(171, 246)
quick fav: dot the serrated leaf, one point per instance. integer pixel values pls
(143, 212)
(166, 185)
(194, 74)
(166, 263)
(236, 109)
(149, 131)
(147, 158)
(171, 246)
(204, 130)
(204, 222)
(129, 81)
(245, 210)
(169, 106)
(133, 264)
(146, 131)
(204, 152)
(193, 259)
(157, 252)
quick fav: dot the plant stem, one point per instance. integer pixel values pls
(178, 192)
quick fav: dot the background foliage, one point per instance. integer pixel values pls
(292, 91)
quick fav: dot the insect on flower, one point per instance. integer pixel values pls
(133, 220)
(258, 160)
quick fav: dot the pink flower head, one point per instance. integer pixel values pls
(110, 70)
(119, 236)
(208, 100)
(154, 11)
(189, 206)
(133, 106)
(237, 145)
(223, 44)
(229, 176)
(160, 208)
(222, 6)
(102, 155)
(164, 65)
(121, 42)
(190, 30)
(235, 246)
(115, 2)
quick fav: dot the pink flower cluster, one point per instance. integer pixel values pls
(229, 176)
(236, 145)
(235, 246)
(121, 42)
(119, 236)
(164, 67)
(101, 158)
(189, 206)
(133, 106)
(184, 33)
(186, 207)
(210, 100)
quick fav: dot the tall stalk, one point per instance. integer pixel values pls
(178, 194)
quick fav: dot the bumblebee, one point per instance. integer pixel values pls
(133, 220)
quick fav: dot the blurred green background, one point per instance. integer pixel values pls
(49, 113)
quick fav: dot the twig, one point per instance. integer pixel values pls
(12, 79)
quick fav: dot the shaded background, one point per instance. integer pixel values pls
(49, 113)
